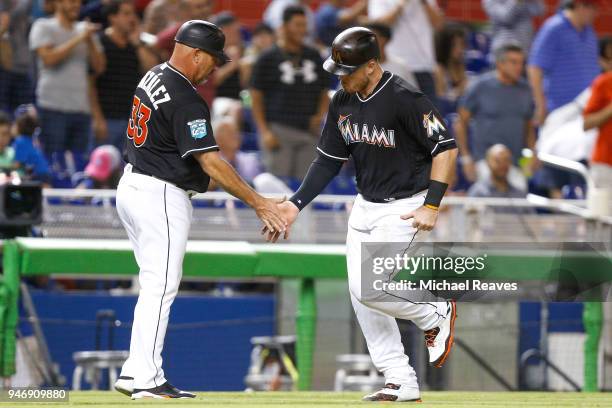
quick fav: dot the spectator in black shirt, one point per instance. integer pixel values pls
(289, 94)
(227, 77)
(127, 58)
(263, 38)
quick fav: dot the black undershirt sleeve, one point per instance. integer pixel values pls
(322, 170)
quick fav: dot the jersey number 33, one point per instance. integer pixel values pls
(137, 126)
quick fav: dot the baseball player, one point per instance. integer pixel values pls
(404, 159)
(171, 154)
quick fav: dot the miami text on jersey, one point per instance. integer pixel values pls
(353, 133)
(157, 93)
(432, 124)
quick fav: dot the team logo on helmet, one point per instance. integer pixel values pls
(336, 56)
(433, 125)
(198, 128)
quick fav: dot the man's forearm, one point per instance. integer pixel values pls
(443, 166)
(435, 16)
(442, 170)
(350, 14)
(224, 72)
(96, 57)
(597, 119)
(96, 109)
(5, 20)
(259, 114)
(321, 172)
(323, 105)
(227, 177)
(391, 17)
(530, 135)
(147, 58)
(535, 75)
(55, 55)
(461, 132)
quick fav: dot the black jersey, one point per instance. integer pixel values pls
(169, 122)
(392, 136)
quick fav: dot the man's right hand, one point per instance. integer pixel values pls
(269, 212)
(289, 212)
(269, 140)
(89, 30)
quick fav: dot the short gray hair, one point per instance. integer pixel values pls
(501, 51)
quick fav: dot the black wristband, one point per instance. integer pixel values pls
(435, 193)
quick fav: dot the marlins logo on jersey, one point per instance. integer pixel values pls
(353, 133)
(433, 125)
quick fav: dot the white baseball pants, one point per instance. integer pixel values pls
(373, 222)
(157, 216)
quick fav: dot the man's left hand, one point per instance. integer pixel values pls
(424, 218)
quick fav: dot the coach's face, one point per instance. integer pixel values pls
(204, 65)
(359, 80)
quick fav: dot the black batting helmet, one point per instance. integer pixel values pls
(204, 36)
(351, 49)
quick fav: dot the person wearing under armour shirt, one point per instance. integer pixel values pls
(289, 92)
(404, 159)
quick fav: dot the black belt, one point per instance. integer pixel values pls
(390, 199)
(144, 173)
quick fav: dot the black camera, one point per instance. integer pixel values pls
(20, 204)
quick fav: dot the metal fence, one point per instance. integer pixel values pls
(92, 214)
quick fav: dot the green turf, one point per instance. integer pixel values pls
(96, 399)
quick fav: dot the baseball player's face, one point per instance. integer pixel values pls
(355, 82)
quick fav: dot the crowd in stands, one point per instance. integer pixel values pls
(68, 70)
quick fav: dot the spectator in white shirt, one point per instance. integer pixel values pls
(389, 62)
(413, 23)
(512, 20)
